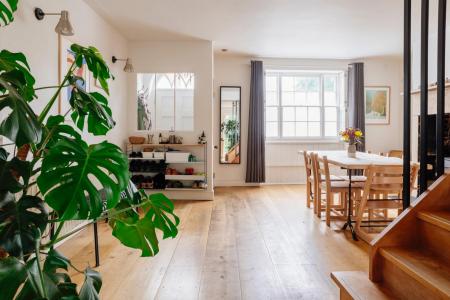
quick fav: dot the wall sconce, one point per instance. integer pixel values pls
(63, 27)
(128, 65)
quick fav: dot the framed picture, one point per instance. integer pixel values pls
(66, 59)
(377, 104)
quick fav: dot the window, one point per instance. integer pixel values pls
(303, 104)
(165, 101)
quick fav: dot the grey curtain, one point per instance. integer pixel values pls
(356, 111)
(256, 130)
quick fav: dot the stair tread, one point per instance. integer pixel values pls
(422, 266)
(358, 286)
(438, 218)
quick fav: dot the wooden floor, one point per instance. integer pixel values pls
(250, 243)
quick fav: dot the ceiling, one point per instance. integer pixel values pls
(266, 28)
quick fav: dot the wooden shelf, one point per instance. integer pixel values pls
(177, 189)
(169, 145)
(142, 158)
(185, 177)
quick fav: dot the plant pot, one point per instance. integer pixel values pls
(351, 150)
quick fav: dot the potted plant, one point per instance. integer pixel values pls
(73, 180)
(352, 136)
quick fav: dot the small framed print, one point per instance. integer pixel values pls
(377, 104)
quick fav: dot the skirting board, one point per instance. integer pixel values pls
(185, 195)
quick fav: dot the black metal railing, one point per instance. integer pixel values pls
(424, 147)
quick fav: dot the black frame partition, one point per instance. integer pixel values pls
(440, 105)
(424, 96)
(407, 104)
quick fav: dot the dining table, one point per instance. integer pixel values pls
(361, 161)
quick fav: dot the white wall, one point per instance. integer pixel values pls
(170, 56)
(39, 42)
(283, 163)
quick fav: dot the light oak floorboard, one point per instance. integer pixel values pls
(249, 243)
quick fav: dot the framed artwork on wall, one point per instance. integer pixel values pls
(377, 104)
(66, 58)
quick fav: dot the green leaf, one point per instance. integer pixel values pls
(12, 275)
(7, 9)
(140, 233)
(53, 262)
(21, 125)
(73, 173)
(19, 223)
(15, 73)
(160, 211)
(11, 172)
(95, 107)
(95, 63)
(55, 130)
(91, 286)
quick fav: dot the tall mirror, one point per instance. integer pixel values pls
(230, 124)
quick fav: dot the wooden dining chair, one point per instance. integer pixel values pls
(310, 184)
(382, 191)
(395, 153)
(333, 210)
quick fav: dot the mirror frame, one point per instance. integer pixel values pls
(220, 122)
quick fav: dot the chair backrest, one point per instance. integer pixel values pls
(395, 153)
(323, 171)
(308, 164)
(387, 179)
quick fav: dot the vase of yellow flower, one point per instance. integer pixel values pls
(352, 136)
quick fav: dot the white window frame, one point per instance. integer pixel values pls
(341, 104)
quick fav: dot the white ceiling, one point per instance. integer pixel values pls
(266, 28)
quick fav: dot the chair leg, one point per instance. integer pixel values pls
(308, 193)
(319, 203)
(328, 209)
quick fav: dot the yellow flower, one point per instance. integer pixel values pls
(358, 133)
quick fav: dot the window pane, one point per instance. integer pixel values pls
(184, 101)
(301, 129)
(329, 83)
(287, 83)
(301, 84)
(300, 98)
(146, 101)
(330, 99)
(331, 129)
(301, 114)
(271, 98)
(287, 98)
(271, 83)
(314, 129)
(313, 98)
(313, 84)
(271, 129)
(272, 114)
(314, 114)
(288, 129)
(165, 101)
(330, 114)
(288, 113)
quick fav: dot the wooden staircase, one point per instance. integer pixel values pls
(410, 259)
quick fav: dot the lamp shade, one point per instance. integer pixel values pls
(128, 66)
(64, 27)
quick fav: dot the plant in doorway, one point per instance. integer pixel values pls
(52, 176)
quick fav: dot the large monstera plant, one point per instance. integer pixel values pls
(73, 180)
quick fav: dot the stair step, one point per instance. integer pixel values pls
(357, 285)
(421, 266)
(437, 218)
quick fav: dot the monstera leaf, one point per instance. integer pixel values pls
(19, 223)
(21, 125)
(72, 174)
(91, 286)
(7, 9)
(12, 274)
(55, 130)
(11, 173)
(95, 63)
(15, 73)
(95, 107)
(140, 233)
